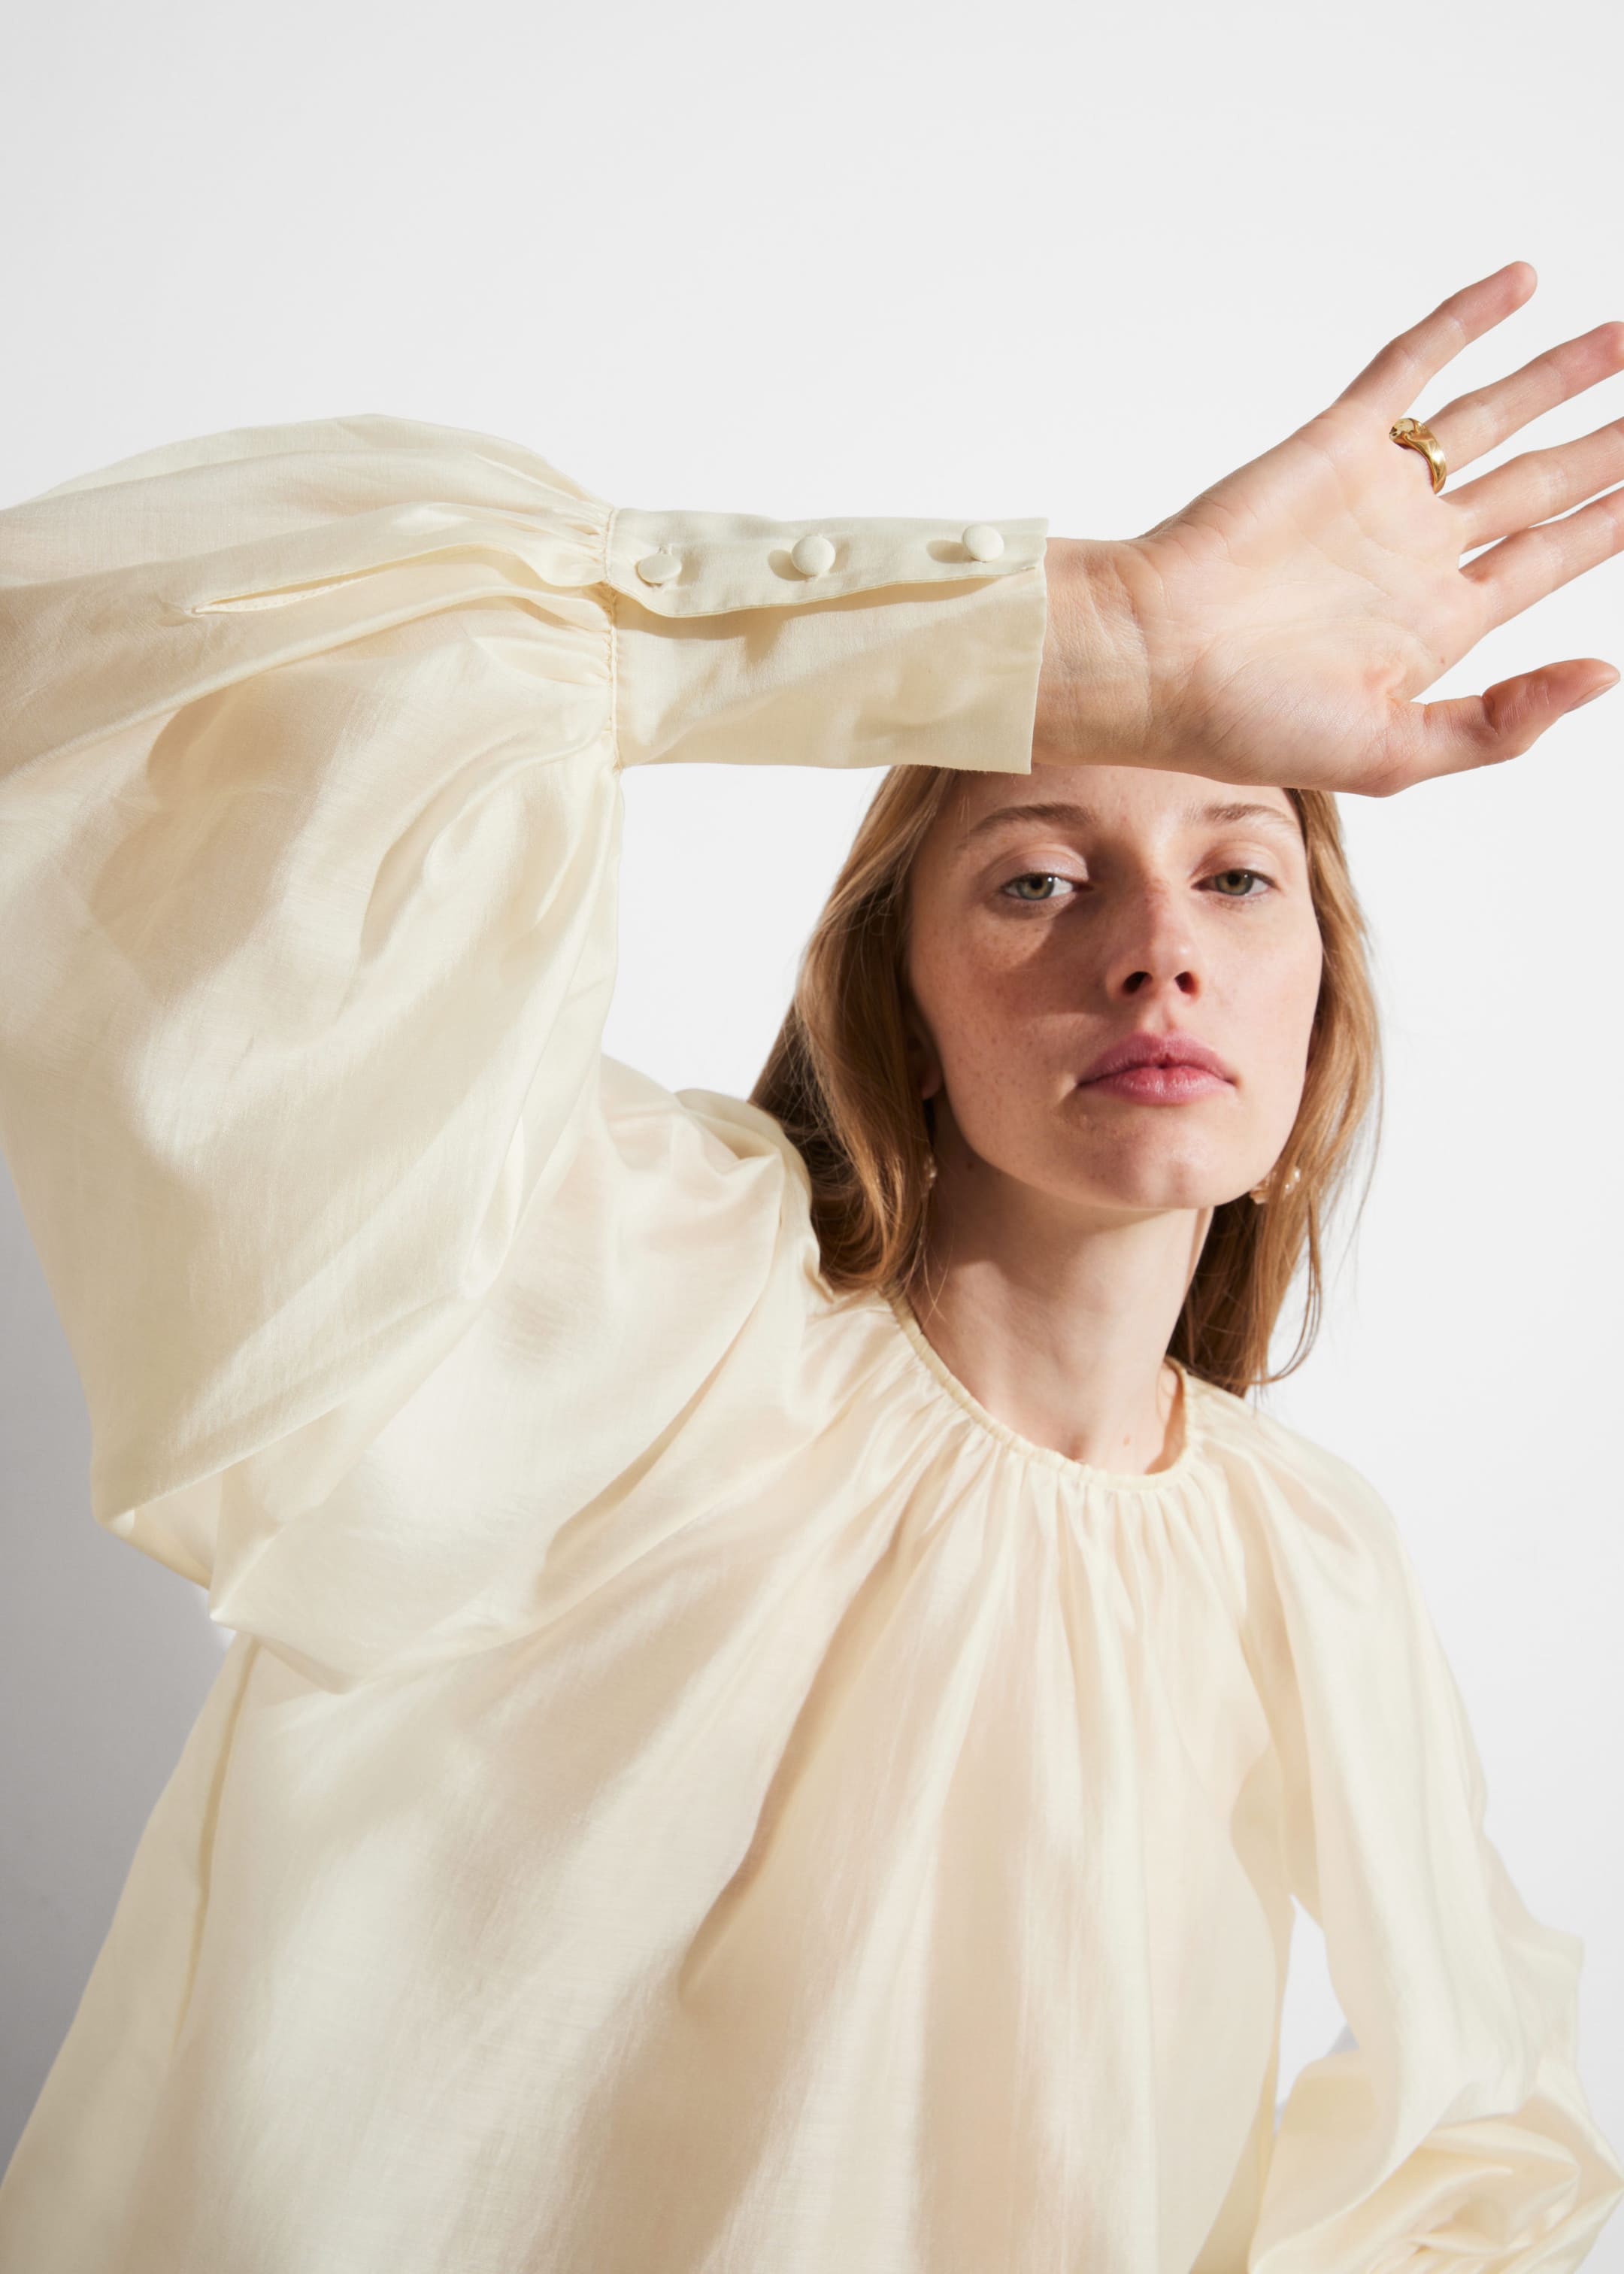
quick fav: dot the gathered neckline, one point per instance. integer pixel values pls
(1191, 1419)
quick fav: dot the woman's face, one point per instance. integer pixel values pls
(1059, 913)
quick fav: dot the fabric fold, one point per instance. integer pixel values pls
(1450, 2128)
(310, 819)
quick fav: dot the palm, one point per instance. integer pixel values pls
(1285, 620)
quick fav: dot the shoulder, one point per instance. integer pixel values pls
(1247, 1438)
(723, 1128)
(1334, 1623)
(727, 1167)
(1320, 1517)
(747, 1132)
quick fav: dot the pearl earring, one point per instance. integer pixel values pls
(1260, 1193)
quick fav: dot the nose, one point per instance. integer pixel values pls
(1153, 948)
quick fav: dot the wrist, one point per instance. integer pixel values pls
(1093, 702)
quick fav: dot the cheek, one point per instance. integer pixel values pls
(970, 1025)
(1005, 1031)
(975, 993)
(1276, 1003)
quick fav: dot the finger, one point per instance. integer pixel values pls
(1522, 569)
(1391, 380)
(1538, 484)
(1464, 731)
(1477, 422)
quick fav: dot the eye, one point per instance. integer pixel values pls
(1225, 878)
(1032, 877)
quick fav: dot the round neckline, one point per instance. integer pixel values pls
(1146, 1481)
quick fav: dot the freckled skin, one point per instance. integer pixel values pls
(1154, 922)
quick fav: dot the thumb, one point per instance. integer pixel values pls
(1463, 731)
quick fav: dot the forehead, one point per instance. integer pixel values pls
(1142, 800)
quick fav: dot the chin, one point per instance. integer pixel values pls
(1187, 1197)
(1146, 1183)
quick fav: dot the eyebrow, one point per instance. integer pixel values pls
(1062, 810)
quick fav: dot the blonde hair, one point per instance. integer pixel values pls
(838, 1080)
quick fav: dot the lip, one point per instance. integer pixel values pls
(1157, 1069)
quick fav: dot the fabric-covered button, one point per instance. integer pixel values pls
(812, 555)
(658, 567)
(982, 542)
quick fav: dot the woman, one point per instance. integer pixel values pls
(779, 1700)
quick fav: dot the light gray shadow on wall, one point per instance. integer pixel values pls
(105, 1660)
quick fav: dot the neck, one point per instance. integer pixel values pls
(1058, 1320)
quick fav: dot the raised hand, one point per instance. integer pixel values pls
(1279, 628)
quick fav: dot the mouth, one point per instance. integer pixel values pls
(1158, 1070)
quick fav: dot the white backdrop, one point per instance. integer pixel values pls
(878, 258)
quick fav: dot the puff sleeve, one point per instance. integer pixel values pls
(1447, 2131)
(309, 811)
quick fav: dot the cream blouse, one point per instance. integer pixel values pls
(690, 1792)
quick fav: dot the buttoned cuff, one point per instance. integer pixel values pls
(840, 642)
(708, 564)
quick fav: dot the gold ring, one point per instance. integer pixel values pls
(1415, 436)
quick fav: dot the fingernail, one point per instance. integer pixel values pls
(1593, 692)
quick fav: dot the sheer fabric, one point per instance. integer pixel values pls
(690, 1792)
